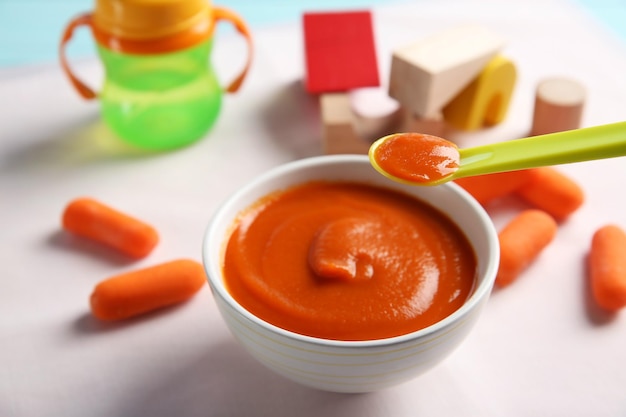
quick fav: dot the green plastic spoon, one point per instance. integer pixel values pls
(428, 160)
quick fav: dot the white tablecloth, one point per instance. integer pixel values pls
(541, 347)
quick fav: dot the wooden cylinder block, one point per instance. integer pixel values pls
(559, 106)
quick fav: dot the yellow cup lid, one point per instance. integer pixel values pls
(149, 19)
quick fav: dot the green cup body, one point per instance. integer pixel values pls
(160, 101)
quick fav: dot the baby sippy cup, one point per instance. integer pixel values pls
(160, 91)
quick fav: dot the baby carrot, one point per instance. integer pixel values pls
(607, 267)
(91, 219)
(137, 292)
(485, 188)
(521, 241)
(553, 192)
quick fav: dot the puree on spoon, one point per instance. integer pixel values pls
(415, 157)
(419, 159)
(347, 261)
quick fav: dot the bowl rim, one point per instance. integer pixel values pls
(213, 271)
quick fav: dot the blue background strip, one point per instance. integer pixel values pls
(30, 29)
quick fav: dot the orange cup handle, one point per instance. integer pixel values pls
(81, 87)
(221, 13)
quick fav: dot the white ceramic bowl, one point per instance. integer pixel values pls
(351, 366)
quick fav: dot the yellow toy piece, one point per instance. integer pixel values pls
(485, 101)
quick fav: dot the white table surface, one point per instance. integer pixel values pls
(541, 347)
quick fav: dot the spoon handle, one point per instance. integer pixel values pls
(599, 142)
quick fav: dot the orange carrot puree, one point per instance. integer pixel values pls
(348, 261)
(417, 157)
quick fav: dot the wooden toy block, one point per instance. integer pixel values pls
(433, 125)
(485, 101)
(339, 134)
(427, 74)
(370, 128)
(559, 104)
(340, 53)
(375, 113)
